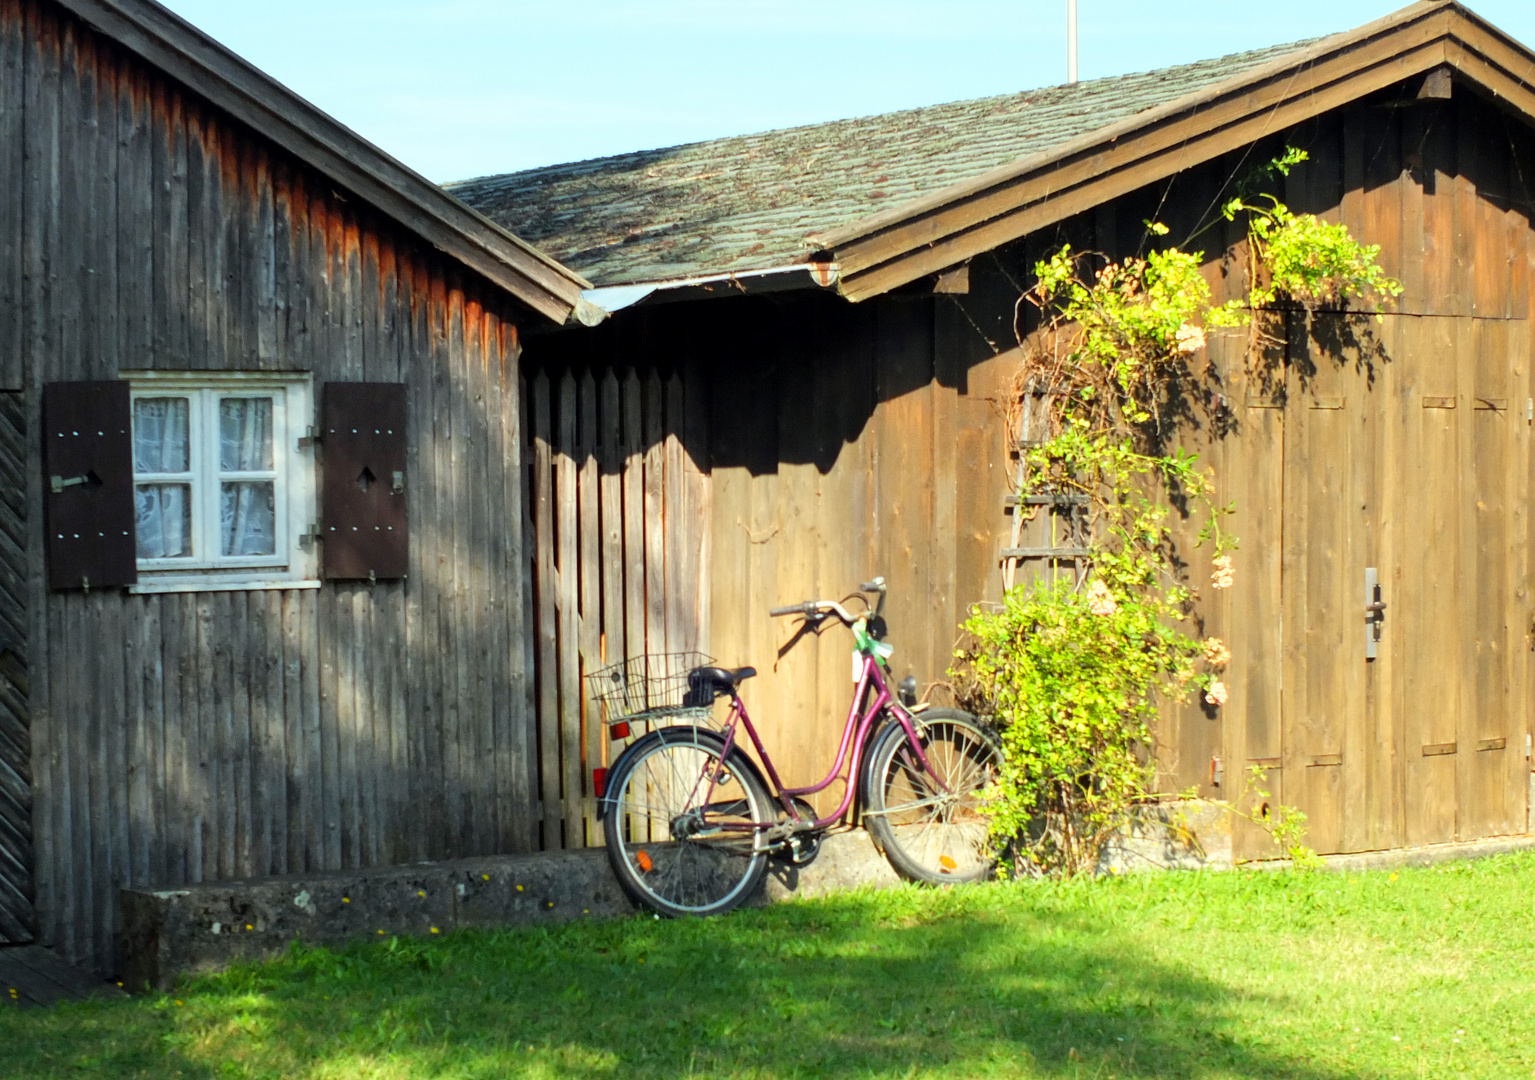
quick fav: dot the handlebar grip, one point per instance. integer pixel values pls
(872, 586)
(807, 609)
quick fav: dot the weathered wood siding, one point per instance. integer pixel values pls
(619, 520)
(198, 736)
(16, 922)
(852, 440)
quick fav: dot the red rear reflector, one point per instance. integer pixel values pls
(599, 781)
(619, 730)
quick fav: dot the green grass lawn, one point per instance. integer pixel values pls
(1420, 973)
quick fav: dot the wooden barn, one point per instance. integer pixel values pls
(323, 491)
(261, 605)
(825, 317)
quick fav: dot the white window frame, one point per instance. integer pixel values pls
(294, 564)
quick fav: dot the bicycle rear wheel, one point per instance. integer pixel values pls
(677, 843)
(928, 821)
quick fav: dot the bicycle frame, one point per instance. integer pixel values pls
(855, 735)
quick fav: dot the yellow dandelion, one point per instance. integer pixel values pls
(434, 929)
(346, 899)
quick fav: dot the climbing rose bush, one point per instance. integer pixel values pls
(1074, 672)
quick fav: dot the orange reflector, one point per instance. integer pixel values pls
(947, 863)
(642, 860)
(619, 730)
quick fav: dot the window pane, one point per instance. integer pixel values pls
(248, 519)
(163, 518)
(160, 441)
(245, 434)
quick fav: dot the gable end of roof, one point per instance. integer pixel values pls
(170, 44)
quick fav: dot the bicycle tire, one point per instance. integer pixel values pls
(651, 797)
(929, 834)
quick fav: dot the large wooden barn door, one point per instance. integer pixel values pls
(1409, 460)
(16, 866)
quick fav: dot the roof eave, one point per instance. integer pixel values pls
(237, 87)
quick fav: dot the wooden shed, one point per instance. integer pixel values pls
(261, 598)
(823, 320)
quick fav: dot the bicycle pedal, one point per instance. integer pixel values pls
(804, 847)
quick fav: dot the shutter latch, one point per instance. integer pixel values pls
(58, 483)
(397, 486)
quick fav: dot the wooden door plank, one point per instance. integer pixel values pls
(633, 450)
(611, 509)
(547, 670)
(590, 589)
(568, 601)
(654, 442)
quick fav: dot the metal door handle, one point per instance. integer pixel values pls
(1374, 613)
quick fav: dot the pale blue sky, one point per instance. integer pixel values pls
(471, 87)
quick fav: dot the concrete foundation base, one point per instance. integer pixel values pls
(204, 927)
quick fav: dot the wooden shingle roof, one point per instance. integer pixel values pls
(753, 201)
(890, 199)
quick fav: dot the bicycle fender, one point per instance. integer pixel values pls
(672, 735)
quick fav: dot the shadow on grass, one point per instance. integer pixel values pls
(890, 985)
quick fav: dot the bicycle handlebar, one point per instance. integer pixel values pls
(811, 608)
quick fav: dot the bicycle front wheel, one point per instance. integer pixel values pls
(686, 828)
(928, 820)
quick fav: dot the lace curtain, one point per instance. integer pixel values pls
(247, 508)
(162, 444)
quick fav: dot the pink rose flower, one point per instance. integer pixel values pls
(1224, 573)
(1217, 655)
(1217, 694)
(1099, 600)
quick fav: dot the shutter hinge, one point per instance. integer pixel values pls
(311, 536)
(311, 436)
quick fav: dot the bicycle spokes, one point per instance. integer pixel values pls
(933, 813)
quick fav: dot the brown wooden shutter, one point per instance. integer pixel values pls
(88, 485)
(362, 518)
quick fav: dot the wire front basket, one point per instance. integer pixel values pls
(647, 687)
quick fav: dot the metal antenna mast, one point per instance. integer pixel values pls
(1071, 41)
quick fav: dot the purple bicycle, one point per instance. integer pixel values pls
(691, 821)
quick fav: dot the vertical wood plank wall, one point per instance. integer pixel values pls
(621, 510)
(851, 440)
(193, 736)
(16, 884)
